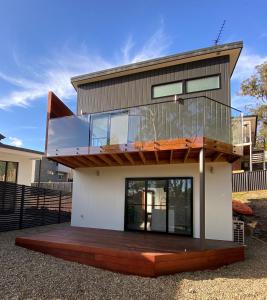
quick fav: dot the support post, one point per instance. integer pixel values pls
(59, 207)
(202, 196)
(21, 206)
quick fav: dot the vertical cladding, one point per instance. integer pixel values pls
(135, 89)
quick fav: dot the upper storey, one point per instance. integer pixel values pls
(159, 111)
(134, 85)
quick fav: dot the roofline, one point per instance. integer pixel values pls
(157, 63)
(20, 149)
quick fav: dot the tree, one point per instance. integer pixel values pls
(256, 86)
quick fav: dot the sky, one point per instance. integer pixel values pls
(46, 42)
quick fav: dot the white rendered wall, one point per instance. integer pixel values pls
(25, 169)
(99, 196)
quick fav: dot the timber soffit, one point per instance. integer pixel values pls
(231, 49)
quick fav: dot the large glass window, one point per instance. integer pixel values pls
(169, 89)
(202, 84)
(8, 171)
(159, 204)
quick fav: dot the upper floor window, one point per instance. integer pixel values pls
(168, 89)
(203, 84)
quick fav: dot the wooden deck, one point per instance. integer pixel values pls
(174, 151)
(144, 254)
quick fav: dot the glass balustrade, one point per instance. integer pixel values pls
(189, 118)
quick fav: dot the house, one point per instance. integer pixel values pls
(50, 171)
(17, 164)
(254, 152)
(151, 147)
(152, 144)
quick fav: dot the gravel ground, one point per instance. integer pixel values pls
(26, 274)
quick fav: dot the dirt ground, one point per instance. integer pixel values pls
(256, 224)
(26, 274)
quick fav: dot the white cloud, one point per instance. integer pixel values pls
(246, 65)
(54, 73)
(14, 141)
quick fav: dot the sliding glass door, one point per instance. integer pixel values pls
(109, 129)
(159, 205)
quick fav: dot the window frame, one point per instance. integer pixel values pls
(203, 77)
(166, 83)
(146, 179)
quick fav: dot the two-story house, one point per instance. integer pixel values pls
(152, 144)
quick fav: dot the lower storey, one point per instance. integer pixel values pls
(144, 254)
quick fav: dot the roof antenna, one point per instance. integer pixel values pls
(217, 40)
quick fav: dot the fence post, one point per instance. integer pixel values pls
(59, 207)
(21, 206)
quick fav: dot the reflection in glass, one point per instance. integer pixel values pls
(100, 130)
(180, 210)
(11, 173)
(119, 129)
(2, 170)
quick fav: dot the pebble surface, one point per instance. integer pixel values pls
(25, 274)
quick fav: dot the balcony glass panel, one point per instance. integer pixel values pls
(188, 118)
(68, 136)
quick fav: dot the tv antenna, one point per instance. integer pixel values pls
(217, 40)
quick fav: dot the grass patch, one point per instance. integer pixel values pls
(246, 196)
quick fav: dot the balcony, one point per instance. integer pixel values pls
(159, 133)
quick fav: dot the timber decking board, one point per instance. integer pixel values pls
(144, 254)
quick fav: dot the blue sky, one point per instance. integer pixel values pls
(45, 42)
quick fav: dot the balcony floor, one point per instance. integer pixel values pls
(144, 254)
(150, 153)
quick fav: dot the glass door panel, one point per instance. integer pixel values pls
(135, 204)
(156, 204)
(119, 129)
(99, 131)
(180, 206)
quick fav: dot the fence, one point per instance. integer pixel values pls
(25, 206)
(249, 181)
(59, 186)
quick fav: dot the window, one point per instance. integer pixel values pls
(8, 171)
(169, 89)
(203, 84)
(109, 129)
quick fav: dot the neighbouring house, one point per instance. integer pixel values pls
(152, 144)
(17, 164)
(254, 148)
(50, 171)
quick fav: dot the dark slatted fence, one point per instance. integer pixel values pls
(249, 181)
(25, 206)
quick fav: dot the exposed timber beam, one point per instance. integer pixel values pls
(156, 156)
(117, 158)
(171, 155)
(217, 156)
(129, 157)
(187, 154)
(97, 161)
(105, 159)
(142, 156)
